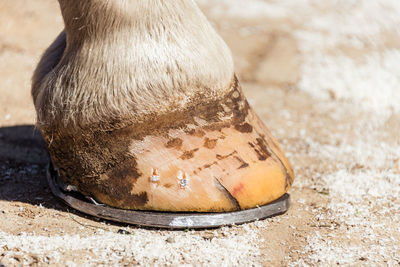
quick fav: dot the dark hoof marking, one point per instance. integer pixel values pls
(138, 199)
(168, 185)
(174, 143)
(261, 149)
(244, 128)
(210, 143)
(243, 163)
(188, 154)
(197, 133)
(206, 166)
(220, 157)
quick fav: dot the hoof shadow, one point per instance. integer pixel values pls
(23, 161)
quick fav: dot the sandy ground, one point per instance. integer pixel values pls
(325, 78)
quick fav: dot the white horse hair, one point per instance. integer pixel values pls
(127, 59)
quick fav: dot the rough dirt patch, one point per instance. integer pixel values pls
(323, 75)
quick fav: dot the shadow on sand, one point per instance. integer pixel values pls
(23, 161)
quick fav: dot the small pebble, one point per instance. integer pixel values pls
(208, 236)
(123, 232)
(170, 240)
